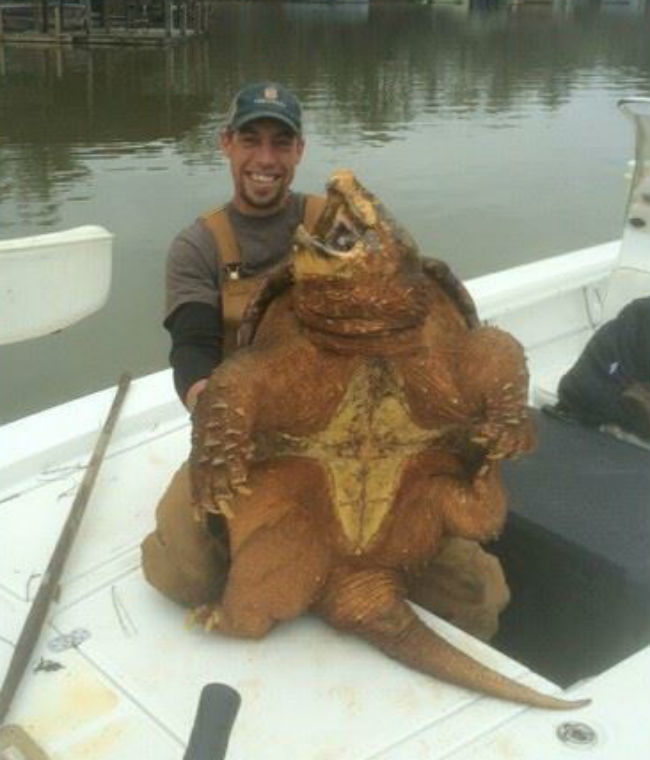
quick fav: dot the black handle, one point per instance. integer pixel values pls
(215, 715)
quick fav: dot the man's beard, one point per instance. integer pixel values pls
(275, 199)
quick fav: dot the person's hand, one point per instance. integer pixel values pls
(193, 393)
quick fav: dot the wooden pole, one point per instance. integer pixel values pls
(50, 580)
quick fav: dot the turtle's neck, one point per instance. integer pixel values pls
(368, 315)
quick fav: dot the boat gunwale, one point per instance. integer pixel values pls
(30, 444)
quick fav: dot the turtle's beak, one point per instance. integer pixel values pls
(309, 242)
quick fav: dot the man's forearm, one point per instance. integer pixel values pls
(193, 393)
(195, 330)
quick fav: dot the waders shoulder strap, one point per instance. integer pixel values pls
(236, 293)
(314, 204)
(218, 223)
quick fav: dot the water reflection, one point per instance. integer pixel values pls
(490, 132)
(366, 72)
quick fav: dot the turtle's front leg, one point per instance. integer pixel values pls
(472, 508)
(223, 423)
(440, 498)
(495, 382)
(255, 394)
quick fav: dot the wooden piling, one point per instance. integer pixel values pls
(106, 15)
(182, 22)
(169, 19)
(121, 22)
(198, 17)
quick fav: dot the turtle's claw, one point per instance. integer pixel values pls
(207, 615)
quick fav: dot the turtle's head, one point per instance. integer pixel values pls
(354, 236)
(358, 276)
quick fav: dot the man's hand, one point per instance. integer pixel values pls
(193, 393)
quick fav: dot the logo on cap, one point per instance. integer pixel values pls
(264, 100)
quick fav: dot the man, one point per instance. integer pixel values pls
(213, 270)
(610, 382)
(214, 266)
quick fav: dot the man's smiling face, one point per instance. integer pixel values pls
(263, 156)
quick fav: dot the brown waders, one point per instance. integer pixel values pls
(181, 557)
(188, 562)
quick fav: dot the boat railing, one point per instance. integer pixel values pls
(631, 276)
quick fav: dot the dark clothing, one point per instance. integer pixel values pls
(611, 378)
(196, 343)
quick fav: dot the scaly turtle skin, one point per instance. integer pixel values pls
(362, 424)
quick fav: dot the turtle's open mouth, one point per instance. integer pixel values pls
(346, 237)
(341, 233)
(344, 234)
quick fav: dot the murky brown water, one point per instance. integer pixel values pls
(493, 135)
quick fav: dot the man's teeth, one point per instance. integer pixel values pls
(263, 178)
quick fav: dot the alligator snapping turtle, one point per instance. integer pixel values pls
(362, 423)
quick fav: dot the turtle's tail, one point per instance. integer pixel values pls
(368, 603)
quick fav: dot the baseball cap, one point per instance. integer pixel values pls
(265, 100)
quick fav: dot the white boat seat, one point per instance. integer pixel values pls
(51, 281)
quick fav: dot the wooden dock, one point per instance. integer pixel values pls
(119, 22)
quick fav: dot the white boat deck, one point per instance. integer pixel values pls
(130, 689)
(130, 686)
(140, 671)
